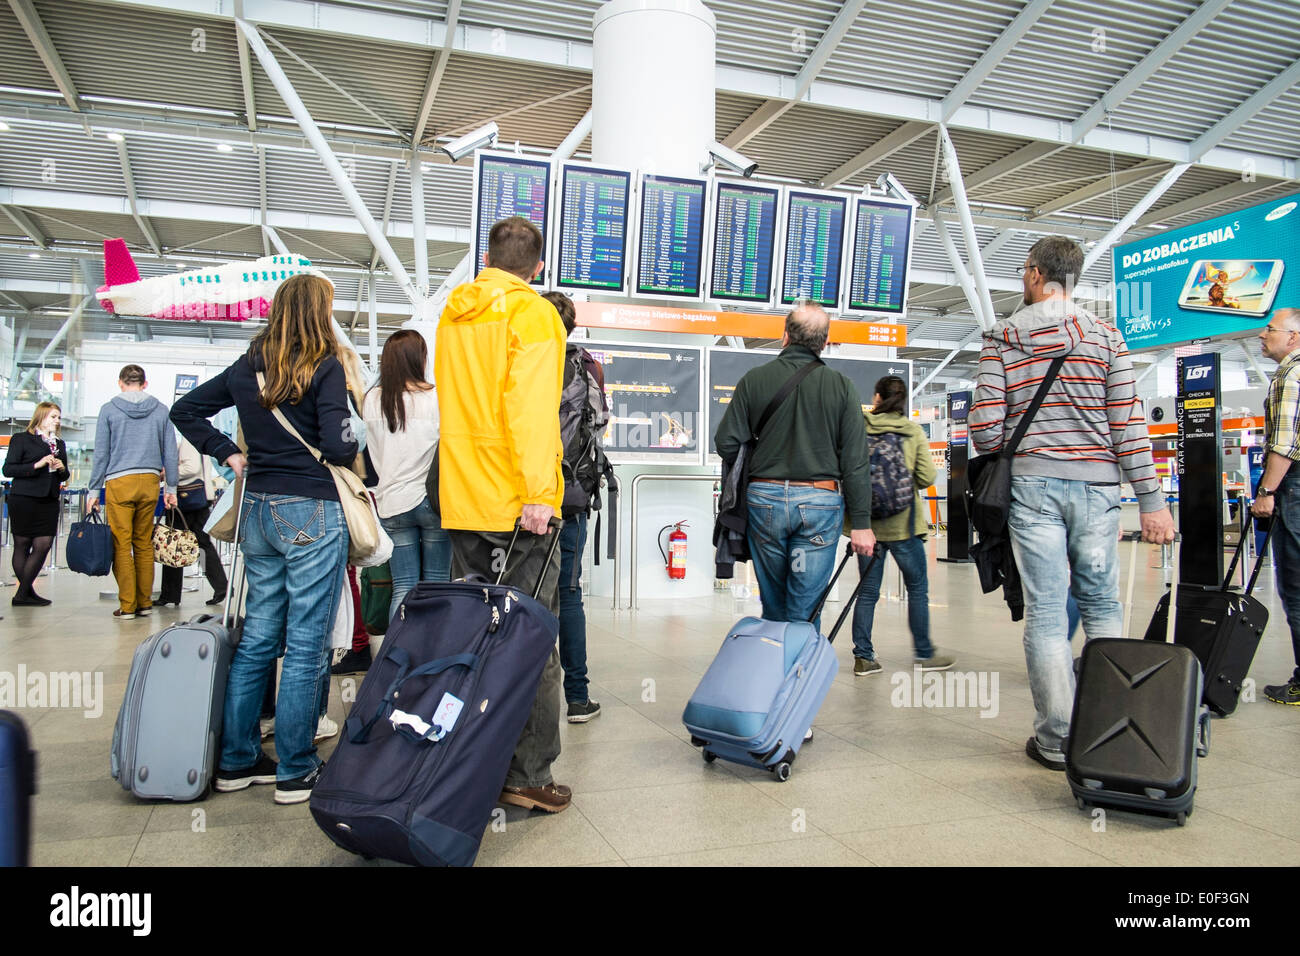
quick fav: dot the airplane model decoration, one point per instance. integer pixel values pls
(237, 291)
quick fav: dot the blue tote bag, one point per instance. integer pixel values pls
(90, 546)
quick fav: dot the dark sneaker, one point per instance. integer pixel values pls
(216, 599)
(228, 781)
(353, 662)
(297, 790)
(583, 711)
(1031, 748)
(936, 662)
(1288, 693)
(124, 615)
(552, 798)
(864, 668)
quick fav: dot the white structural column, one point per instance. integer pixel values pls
(985, 310)
(330, 161)
(1105, 242)
(418, 234)
(962, 274)
(653, 82)
(934, 373)
(374, 326)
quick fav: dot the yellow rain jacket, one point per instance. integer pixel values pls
(499, 368)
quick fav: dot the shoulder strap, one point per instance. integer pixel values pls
(784, 392)
(1039, 397)
(287, 425)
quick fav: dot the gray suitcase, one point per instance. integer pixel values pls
(168, 732)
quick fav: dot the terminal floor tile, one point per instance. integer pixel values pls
(882, 783)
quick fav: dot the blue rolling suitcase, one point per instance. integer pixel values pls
(17, 784)
(428, 744)
(759, 697)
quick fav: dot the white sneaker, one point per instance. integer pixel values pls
(326, 728)
(268, 727)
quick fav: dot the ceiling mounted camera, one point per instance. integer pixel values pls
(728, 158)
(485, 137)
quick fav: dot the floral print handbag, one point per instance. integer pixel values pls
(175, 547)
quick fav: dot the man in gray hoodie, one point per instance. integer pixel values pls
(1088, 435)
(134, 444)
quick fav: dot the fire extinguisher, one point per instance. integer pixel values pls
(675, 556)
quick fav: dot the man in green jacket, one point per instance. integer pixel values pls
(809, 464)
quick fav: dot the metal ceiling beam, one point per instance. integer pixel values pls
(416, 30)
(245, 71)
(974, 334)
(989, 60)
(900, 138)
(440, 61)
(1103, 187)
(21, 220)
(1224, 193)
(1244, 113)
(59, 336)
(35, 30)
(1111, 100)
(133, 202)
(976, 263)
(388, 210)
(766, 114)
(1121, 227)
(1026, 155)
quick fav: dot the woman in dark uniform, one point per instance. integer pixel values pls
(38, 464)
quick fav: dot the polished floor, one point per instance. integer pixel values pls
(881, 784)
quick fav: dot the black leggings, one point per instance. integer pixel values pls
(29, 558)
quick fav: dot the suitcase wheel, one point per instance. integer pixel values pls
(1081, 803)
(710, 756)
(782, 771)
(1181, 818)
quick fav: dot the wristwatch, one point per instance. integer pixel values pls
(1264, 492)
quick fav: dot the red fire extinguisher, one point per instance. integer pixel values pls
(675, 556)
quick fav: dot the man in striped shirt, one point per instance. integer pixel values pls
(1065, 486)
(1278, 495)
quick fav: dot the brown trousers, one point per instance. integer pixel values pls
(129, 505)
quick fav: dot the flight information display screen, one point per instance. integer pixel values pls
(744, 241)
(882, 240)
(814, 247)
(591, 252)
(671, 247)
(506, 186)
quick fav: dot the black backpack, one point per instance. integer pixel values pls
(583, 416)
(892, 490)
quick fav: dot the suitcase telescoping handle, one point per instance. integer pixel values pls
(848, 605)
(237, 583)
(554, 526)
(1247, 521)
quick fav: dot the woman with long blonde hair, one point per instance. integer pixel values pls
(38, 464)
(293, 534)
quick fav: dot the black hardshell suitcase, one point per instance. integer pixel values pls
(17, 785)
(1222, 627)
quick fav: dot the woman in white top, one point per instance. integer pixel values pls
(401, 415)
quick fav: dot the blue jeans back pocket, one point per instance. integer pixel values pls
(299, 521)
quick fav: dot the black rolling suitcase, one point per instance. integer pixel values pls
(17, 784)
(1222, 627)
(1138, 727)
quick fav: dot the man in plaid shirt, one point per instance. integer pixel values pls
(1278, 494)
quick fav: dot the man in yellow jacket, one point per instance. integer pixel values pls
(499, 368)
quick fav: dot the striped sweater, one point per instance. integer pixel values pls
(1091, 425)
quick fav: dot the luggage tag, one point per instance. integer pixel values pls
(445, 716)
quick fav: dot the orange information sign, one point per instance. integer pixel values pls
(651, 318)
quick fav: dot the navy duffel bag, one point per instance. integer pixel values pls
(426, 750)
(90, 546)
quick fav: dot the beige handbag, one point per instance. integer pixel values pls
(224, 527)
(368, 543)
(175, 547)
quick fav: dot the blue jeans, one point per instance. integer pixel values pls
(910, 555)
(421, 550)
(295, 555)
(793, 532)
(1286, 558)
(1064, 537)
(573, 620)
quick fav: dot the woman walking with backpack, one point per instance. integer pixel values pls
(900, 460)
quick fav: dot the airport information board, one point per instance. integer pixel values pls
(591, 246)
(814, 247)
(744, 242)
(654, 400)
(506, 186)
(882, 239)
(728, 366)
(671, 245)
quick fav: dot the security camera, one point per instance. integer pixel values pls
(720, 155)
(482, 138)
(893, 187)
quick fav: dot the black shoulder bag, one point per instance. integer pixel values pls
(988, 494)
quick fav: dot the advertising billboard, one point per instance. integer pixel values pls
(1217, 279)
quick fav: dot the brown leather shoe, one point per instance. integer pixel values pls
(552, 798)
